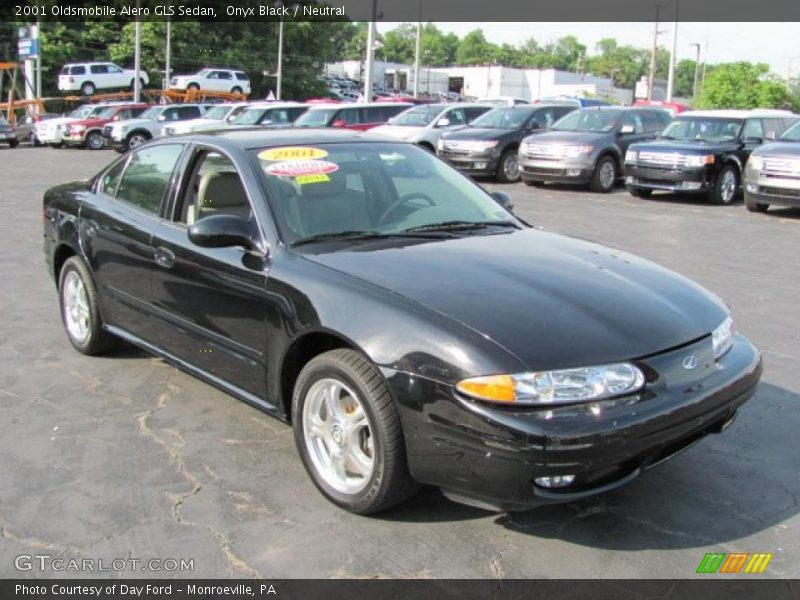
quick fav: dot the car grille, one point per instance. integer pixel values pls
(781, 167)
(669, 160)
(545, 152)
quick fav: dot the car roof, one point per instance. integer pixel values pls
(739, 114)
(258, 137)
(358, 105)
(268, 104)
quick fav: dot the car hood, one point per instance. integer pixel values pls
(399, 132)
(690, 147)
(551, 300)
(568, 137)
(779, 149)
(478, 133)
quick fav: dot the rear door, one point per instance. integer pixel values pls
(117, 225)
(212, 301)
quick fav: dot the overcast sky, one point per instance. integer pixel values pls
(777, 44)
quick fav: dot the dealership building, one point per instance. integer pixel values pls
(487, 81)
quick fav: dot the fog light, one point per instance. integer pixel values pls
(752, 188)
(691, 185)
(556, 481)
(573, 172)
(480, 165)
(629, 179)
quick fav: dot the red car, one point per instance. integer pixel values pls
(675, 108)
(88, 133)
(351, 116)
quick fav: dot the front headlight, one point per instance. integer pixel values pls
(631, 156)
(482, 146)
(756, 163)
(440, 144)
(722, 338)
(694, 160)
(575, 151)
(523, 148)
(563, 386)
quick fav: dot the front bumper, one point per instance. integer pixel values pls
(673, 180)
(555, 170)
(471, 163)
(765, 189)
(490, 455)
(75, 139)
(50, 136)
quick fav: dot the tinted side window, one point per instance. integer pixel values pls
(110, 181)
(633, 119)
(350, 116)
(773, 128)
(79, 70)
(296, 112)
(752, 128)
(170, 114)
(135, 112)
(543, 118)
(474, 112)
(147, 177)
(223, 75)
(188, 112)
(652, 122)
(455, 116)
(241, 76)
(98, 69)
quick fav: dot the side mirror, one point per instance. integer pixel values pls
(115, 118)
(266, 122)
(771, 135)
(443, 122)
(503, 200)
(221, 231)
(753, 140)
(625, 129)
(162, 117)
(339, 123)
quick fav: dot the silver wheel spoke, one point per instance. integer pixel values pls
(337, 462)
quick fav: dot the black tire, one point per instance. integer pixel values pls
(721, 194)
(753, 206)
(88, 88)
(34, 141)
(599, 182)
(98, 339)
(94, 140)
(13, 143)
(390, 482)
(136, 139)
(236, 90)
(503, 174)
(640, 192)
(192, 86)
(141, 84)
(533, 182)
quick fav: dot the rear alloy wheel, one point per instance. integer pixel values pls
(726, 186)
(136, 139)
(348, 433)
(754, 206)
(640, 192)
(604, 176)
(80, 310)
(94, 140)
(236, 90)
(87, 89)
(508, 167)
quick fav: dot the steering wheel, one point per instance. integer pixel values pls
(404, 200)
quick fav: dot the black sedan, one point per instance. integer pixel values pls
(489, 145)
(407, 325)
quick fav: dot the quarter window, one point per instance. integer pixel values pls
(148, 175)
(110, 181)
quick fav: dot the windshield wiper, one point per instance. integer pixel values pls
(356, 235)
(460, 226)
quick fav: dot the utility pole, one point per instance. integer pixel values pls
(417, 51)
(168, 55)
(370, 57)
(137, 56)
(705, 62)
(38, 61)
(672, 58)
(696, 71)
(656, 33)
(279, 83)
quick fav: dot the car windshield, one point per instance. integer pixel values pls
(315, 118)
(792, 134)
(372, 189)
(419, 116)
(703, 129)
(82, 111)
(510, 117)
(250, 116)
(151, 113)
(595, 121)
(217, 113)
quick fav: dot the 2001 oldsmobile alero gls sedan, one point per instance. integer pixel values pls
(403, 320)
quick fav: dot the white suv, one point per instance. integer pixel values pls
(87, 78)
(213, 80)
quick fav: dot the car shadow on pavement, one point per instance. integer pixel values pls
(727, 487)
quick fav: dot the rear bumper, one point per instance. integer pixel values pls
(491, 456)
(673, 180)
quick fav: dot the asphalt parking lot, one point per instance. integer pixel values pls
(126, 457)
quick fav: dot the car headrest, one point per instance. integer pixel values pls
(336, 184)
(221, 188)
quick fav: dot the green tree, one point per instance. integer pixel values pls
(474, 49)
(744, 85)
(684, 78)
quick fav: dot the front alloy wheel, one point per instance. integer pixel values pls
(508, 169)
(348, 433)
(726, 186)
(136, 140)
(604, 176)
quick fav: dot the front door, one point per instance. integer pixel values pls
(212, 301)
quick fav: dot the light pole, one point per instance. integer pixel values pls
(671, 77)
(137, 57)
(696, 71)
(168, 55)
(656, 33)
(417, 51)
(279, 83)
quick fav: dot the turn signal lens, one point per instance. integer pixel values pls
(495, 388)
(563, 386)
